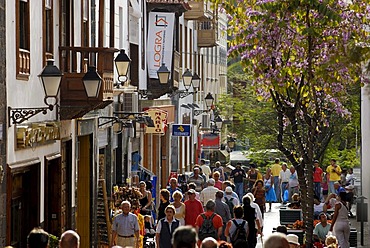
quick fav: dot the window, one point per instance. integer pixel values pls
(48, 31)
(23, 39)
(85, 24)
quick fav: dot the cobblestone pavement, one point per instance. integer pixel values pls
(272, 219)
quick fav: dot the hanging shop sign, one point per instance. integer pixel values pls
(160, 41)
(33, 134)
(159, 118)
(210, 141)
(181, 130)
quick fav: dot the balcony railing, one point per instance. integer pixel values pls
(207, 33)
(24, 63)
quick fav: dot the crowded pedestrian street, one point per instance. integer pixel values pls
(184, 124)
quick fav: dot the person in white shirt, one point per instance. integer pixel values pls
(208, 193)
(283, 180)
(229, 196)
(205, 169)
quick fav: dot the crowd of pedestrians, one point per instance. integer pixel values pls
(218, 209)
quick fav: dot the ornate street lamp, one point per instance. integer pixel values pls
(209, 100)
(92, 82)
(50, 78)
(196, 81)
(218, 121)
(187, 77)
(122, 62)
(163, 74)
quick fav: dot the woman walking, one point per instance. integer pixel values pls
(269, 187)
(259, 195)
(145, 200)
(340, 222)
(179, 206)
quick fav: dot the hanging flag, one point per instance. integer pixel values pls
(160, 41)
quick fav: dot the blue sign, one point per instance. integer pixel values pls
(180, 130)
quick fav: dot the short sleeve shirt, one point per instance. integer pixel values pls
(217, 220)
(275, 170)
(125, 225)
(317, 175)
(321, 231)
(333, 176)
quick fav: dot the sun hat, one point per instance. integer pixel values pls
(292, 238)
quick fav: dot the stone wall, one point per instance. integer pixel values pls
(3, 126)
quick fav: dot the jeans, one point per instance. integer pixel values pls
(331, 187)
(239, 190)
(317, 189)
(277, 188)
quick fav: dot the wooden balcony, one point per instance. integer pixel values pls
(207, 33)
(73, 63)
(199, 9)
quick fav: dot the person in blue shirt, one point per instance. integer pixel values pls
(173, 187)
(338, 188)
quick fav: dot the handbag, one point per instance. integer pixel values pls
(286, 195)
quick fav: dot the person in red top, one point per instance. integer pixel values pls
(217, 220)
(317, 178)
(193, 208)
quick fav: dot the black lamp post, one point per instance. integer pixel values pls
(187, 78)
(231, 143)
(218, 121)
(122, 62)
(196, 81)
(50, 78)
(209, 100)
(92, 82)
(163, 74)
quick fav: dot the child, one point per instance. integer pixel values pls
(148, 226)
(325, 187)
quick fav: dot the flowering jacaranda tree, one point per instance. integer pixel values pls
(304, 55)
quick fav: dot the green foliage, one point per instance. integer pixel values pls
(253, 120)
(53, 241)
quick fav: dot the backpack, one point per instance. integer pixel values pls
(207, 229)
(229, 202)
(239, 232)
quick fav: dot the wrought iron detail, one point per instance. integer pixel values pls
(20, 115)
(200, 111)
(181, 93)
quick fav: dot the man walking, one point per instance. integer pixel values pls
(173, 187)
(193, 208)
(317, 178)
(284, 180)
(334, 172)
(223, 210)
(208, 193)
(125, 227)
(197, 179)
(238, 174)
(209, 224)
(293, 183)
(275, 172)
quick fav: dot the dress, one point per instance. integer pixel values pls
(341, 227)
(270, 192)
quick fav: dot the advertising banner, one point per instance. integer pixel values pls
(160, 41)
